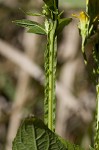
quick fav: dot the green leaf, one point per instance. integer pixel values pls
(69, 145)
(36, 30)
(29, 13)
(49, 3)
(52, 5)
(33, 14)
(34, 135)
(62, 23)
(93, 9)
(32, 26)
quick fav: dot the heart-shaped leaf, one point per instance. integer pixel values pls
(33, 134)
(32, 26)
(62, 23)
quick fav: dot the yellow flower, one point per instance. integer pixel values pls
(83, 17)
(83, 23)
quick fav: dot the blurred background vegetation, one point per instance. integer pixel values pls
(22, 74)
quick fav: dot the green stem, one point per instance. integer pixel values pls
(97, 105)
(52, 70)
(51, 23)
(83, 50)
(50, 74)
(96, 142)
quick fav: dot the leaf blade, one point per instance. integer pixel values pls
(33, 27)
(62, 23)
(34, 135)
(34, 14)
(37, 30)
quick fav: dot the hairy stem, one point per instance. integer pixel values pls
(50, 73)
(52, 70)
(97, 104)
(96, 143)
(51, 24)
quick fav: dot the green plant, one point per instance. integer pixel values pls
(33, 134)
(42, 136)
(89, 30)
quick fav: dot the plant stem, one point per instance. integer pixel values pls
(52, 70)
(83, 50)
(96, 142)
(97, 104)
(51, 23)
